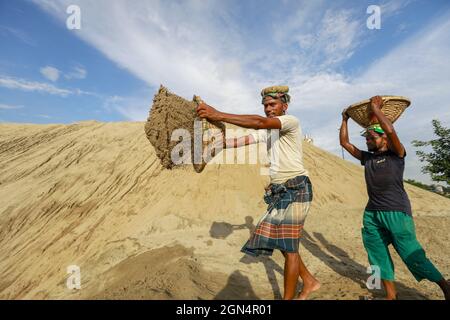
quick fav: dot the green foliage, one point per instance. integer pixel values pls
(438, 160)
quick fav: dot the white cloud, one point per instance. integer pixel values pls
(24, 85)
(201, 48)
(50, 73)
(393, 7)
(9, 107)
(19, 34)
(34, 86)
(333, 41)
(418, 68)
(53, 74)
(134, 108)
(170, 43)
(77, 72)
(318, 35)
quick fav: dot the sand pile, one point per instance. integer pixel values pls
(164, 273)
(96, 195)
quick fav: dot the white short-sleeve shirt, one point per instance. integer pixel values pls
(284, 149)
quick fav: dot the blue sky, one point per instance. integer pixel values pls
(226, 51)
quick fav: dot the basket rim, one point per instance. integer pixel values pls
(384, 97)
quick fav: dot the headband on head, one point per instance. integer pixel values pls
(374, 127)
(277, 92)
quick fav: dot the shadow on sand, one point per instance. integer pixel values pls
(239, 287)
(341, 263)
(271, 267)
(221, 230)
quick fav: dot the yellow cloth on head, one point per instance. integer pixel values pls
(275, 89)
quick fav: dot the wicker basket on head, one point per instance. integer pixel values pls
(393, 107)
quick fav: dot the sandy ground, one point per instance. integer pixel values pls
(95, 195)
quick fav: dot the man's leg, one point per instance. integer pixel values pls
(291, 273)
(445, 287)
(391, 292)
(376, 240)
(409, 249)
(310, 284)
(294, 266)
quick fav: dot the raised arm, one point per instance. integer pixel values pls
(245, 121)
(393, 141)
(344, 140)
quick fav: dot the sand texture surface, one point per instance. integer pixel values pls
(168, 113)
(95, 195)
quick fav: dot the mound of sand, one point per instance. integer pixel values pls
(96, 195)
(164, 273)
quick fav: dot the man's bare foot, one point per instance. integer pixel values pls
(308, 288)
(445, 286)
(447, 290)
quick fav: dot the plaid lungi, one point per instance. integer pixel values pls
(282, 224)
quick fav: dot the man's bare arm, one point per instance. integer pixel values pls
(239, 142)
(245, 121)
(344, 140)
(393, 139)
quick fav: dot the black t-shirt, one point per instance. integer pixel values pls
(384, 180)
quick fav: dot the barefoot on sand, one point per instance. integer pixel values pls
(308, 289)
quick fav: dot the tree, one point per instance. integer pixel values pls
(438, 161)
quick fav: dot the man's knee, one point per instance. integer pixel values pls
(408, 248)
(413, 258)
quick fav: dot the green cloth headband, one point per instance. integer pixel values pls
(374, 127)
(286, 98)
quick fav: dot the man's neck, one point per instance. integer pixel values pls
(381, 150)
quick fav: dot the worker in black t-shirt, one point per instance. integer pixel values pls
(387, 216)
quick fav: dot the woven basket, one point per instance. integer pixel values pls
(212, 131)
(393, 107)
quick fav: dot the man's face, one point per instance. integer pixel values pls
(375, 141)
(274, 107)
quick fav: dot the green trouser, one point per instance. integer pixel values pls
(382, 228)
